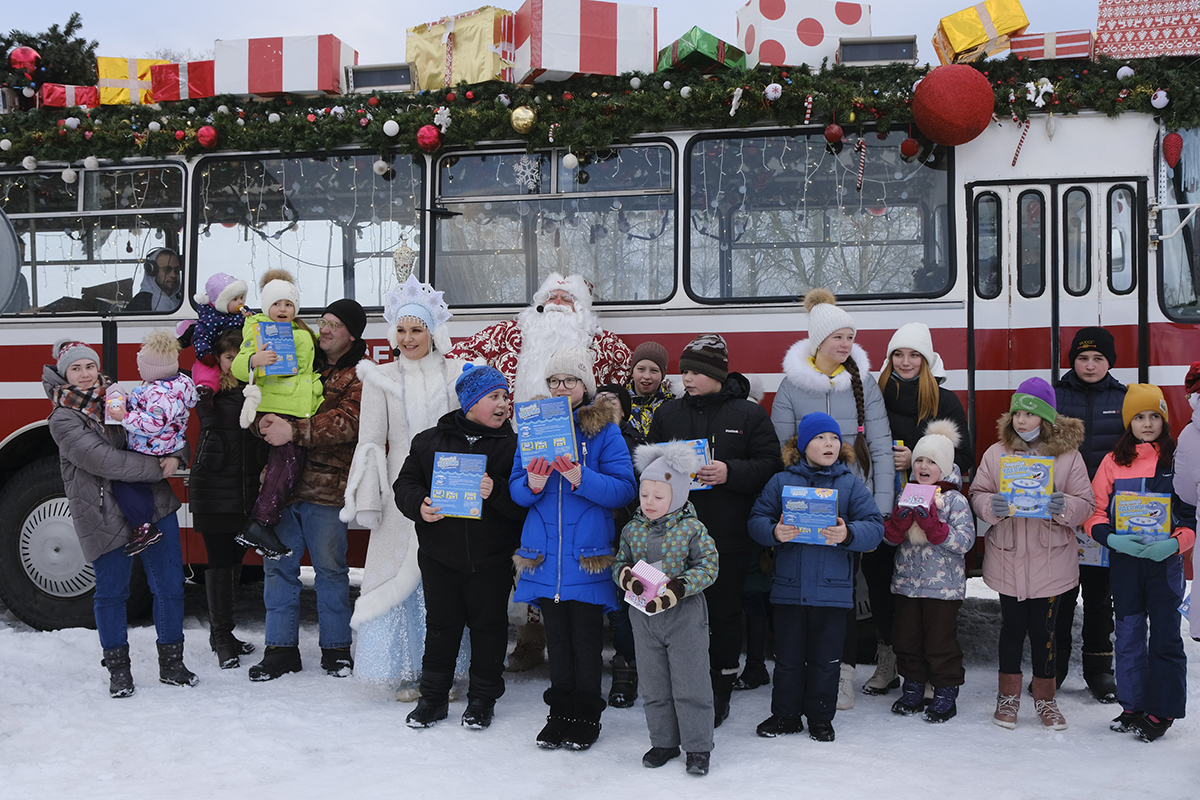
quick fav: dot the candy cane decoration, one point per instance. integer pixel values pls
(553, 127)
(1024, 133)
(807, 109)
(861, 147)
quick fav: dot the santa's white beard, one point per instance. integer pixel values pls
(542, 335)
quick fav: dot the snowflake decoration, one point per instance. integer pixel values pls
(441, 118)
(528, 173)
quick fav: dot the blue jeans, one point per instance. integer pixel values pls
(164, 572)
(317, 528)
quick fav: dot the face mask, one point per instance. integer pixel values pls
(902, 379)
(1031, 436)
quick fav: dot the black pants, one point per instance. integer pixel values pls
(222, 550)
(574, 641)
(1098, 623)
(808, 642)
(477, 601)
(877, 568)
(1034, 618)
(724, 599)
(850, 639)
(925, 637)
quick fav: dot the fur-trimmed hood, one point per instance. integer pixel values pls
(1066, 434)
(801, 373)
(593, 417)
(792, 455)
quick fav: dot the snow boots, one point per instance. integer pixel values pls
(120, 678)
(820, 730)
(755, 672)
(1008, 700)
(1098, 673)
(657, 756)
(912, 699)
(428, 713)
(722, 685)
(944, 705)
(1148, 727)
(697, 763)
(624, 683)
(1046, 706)
(144, 535)
(262, 539)
(1125, 721)
(558, 721)
(171, 670)
(336, 661)
(276, 662)
(776, 725)
(479, 714)
(585, 727)
(219, 586)
(530, 649)
(845, 695)
(885, 678)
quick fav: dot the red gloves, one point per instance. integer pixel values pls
(570, 470)
(895, 527)
(537, 473)
(935, 529)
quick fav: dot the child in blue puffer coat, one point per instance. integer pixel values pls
(566, 551)
(814, 583)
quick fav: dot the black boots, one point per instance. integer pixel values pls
(558, 721)
(336, 661)
(624, 683)
(220, 584)
(1098, 672)
(755, 672)
(171, 670)
(585, 727)
(722, 684)
(657, 756)
(433, 705)
(120, 679)
(276, 662)
(262, 539)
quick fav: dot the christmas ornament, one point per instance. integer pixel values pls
(807, 109)
(29, 163)
(861, 147)
(403, 260)
(373, 101)
(504, 100)
(441, 118)
(391, 128)
(666, 84)
(1159, 99)
(570, 161)
(154, 126)
(5, 144)
(470, 95)
(909, 148)
(207, 136)
(28, 91)
(23, 59)
(1020, 144)
(685, 92)
(953, 104)
(273, 118)
(241, 122)
(71, 122)
(833, 133)
(527, 172)
(1036, 92)
(178, 136)
(1125, 73)
(635, 82)
(773, 92)
(522, 119)
(69, 175)
(737, 101)
(380, 166)
(1172, 147)
(1051, 126)
(222, 109)
(91, 162)
(429, 138)
(451, 97)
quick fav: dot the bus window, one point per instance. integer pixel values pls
(987, 246)
(1031, 269)
(1179, 256)
(1120, 240)
(331, 221)
(153, 187)
(611, 220)
(1077, 240)
(772, 216)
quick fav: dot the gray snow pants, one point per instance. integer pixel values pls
(673, 675)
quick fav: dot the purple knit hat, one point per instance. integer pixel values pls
(1037, 397)
(219, 290)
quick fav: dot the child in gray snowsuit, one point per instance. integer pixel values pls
(671, 637)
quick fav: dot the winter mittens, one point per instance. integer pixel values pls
(895, 528)
(670, 597)
(936, 530)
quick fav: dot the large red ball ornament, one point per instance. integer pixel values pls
(910, 147)
(429, 138)
(833, 133)
(206, 136)
(23, 59)
(953, 104)
(1172, 147)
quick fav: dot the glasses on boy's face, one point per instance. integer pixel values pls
(569, 383)
(329, 325)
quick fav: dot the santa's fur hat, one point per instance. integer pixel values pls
(546, 329)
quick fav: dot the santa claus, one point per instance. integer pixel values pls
(561, 316)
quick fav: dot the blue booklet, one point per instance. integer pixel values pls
(545, 429)
(812, 510)
(277, 336)
(704, 451)
(456, 481)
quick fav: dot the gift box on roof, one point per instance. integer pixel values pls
(1046, 46)
(125, 80)
(979, 31)
(1128, 29)
(794, 32)
(65, 95)
(475, 47)
(184, 81)
(558, 39)
(699, 49)
(283, 64)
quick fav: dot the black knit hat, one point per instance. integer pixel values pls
(708, 355)
(1088, 339)
(351, 314)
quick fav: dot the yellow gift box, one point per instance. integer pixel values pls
(979, 31)
(474, 47)
(125, 80)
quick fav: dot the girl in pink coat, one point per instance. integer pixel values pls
(1031, 561)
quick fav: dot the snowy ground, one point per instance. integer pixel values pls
(309, 735)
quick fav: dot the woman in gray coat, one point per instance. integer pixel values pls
(91, 456)
(828, 372)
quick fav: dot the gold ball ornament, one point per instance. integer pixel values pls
(523, 118)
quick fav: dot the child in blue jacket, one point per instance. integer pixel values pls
(566, 551)
(814, 583)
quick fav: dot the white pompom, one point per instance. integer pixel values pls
(391, 127)
(635, 82)
(666, 84)
(154, 126)
(5, 144)
(91, 162)
(272, 117)
(71, 122)
(69, 175)
(29, 162)
(685, 92)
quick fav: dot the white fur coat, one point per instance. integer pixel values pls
(399, 400)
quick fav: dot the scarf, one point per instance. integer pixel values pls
(644, 406)
(89, 402)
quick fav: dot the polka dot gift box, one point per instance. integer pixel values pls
(794, 32)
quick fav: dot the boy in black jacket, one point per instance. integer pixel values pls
(466, 564)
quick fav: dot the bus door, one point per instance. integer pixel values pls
(1046, 260)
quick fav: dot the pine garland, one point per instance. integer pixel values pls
(588, 114)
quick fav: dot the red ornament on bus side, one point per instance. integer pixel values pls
(953, 104)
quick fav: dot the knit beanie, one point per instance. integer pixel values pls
(824, 317)
(159, 356)
(573, 361)
(278, 284)
(1141, 397)
(650, 351)
(219, 290)
(813, 425)
(475, 383)
(622, 395)
(351, 314)
(915, 336)
(673, 463)
(1097, 339)
(67, 351)
(1191, 384)
(1037, 397)
(938, 443)
(708, 355)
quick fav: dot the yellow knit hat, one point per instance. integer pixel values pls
(1143, 397)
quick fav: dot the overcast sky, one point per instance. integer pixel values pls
(376, 27)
